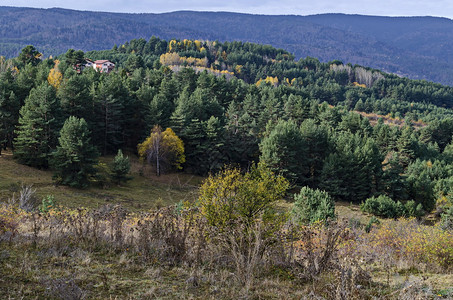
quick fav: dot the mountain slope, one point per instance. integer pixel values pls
(419, 48)
(423, 35)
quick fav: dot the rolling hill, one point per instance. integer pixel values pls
(416, 47)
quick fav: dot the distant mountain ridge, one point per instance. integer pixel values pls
(417, 47)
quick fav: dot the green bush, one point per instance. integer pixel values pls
(382, 206)
(312, 206)
(48, 203)
(386, 207)
(413, 209)
(372, 221)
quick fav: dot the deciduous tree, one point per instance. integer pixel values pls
(164, 148)
(230, 196)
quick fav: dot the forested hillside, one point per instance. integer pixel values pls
(236, 103)
(415, 47)
(281, 146)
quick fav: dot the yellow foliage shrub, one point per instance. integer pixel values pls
(414, 242)
(231, 196)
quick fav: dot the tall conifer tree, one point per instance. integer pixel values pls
(38, 125)
(75, 156)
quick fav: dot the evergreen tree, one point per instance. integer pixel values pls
(25, 81)
(160, 110)
(29, 55)
(312, 206)
(214, 145)
(284, 150)
(316, 137)
(297, 108)
(75, 156)
(74, 94)
(406, 144)
(109, 115)
(194, 139)
(241, 143)
(38, 124)
(9, 110)
(384, 136)
(120, 167)
(421, 178)
(393, 180)
(353, 172)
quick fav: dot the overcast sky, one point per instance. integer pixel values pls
(440, 8)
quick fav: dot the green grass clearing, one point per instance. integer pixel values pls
(143, 192)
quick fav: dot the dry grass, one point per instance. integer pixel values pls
(111, 253)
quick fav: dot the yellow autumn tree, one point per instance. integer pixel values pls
(170, 59)
(164, 148)
(55, 77)
(197, 44)
(238, 69)
(172, 45)
(269, 80)
(231, 196)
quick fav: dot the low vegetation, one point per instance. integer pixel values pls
(183, 250)
(383, 206)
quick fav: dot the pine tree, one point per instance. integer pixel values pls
(393, 182)
(108, 112)
(406, 146)
(353, 172)
(297, 108)
(160, 110)
(29, 55)
(284, 150)
(312, 206)
(75, 156)
(74, 94)
(241, 143)
(214, 158)
(205, 144)
(316, 138)
(9, 110)
(38, 124)
(25, 81)
(120, 167)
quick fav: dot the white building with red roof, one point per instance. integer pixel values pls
(103, 66)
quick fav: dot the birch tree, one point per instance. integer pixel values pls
(164, 148)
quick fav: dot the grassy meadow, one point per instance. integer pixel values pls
(143, 192)
(147, 249)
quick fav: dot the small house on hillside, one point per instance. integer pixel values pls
(103, 66)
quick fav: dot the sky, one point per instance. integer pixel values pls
(438, 8)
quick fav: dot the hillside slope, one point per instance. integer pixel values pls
(419, 48)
